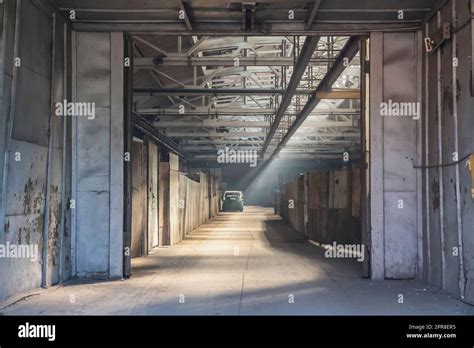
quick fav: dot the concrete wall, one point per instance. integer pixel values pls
(32, 209)
(447, 128)
(145, 197)
(98, 155)
(169, 215)
(186, 201)
(190, 204)
(431, 237)
(196, 201)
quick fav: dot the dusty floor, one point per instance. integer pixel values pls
(250, 263)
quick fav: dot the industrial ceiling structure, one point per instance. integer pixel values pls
(246, 92)
(276, 77)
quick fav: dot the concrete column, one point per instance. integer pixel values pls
(98, 155)
(395, 66)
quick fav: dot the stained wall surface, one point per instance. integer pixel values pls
(31, 203)
(448, 238)
(324, 206)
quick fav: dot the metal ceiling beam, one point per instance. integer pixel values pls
(147, 128)
(321, 155)
(348, 52)
(149, 44)
(211, 91)
(229, 28)
(315, 147)
(196, 148)
(338, 94)
(312, 156)
(210, 112)
(185, 60)
(301, 134)
(331, 6)
(310, 44)
(247, 135)
(221, 142)
(228, 135)
(235, 142)
(199, 111)
(211, 123)
(321, 142)
(312, 13)
(198, 44)
(188, 14)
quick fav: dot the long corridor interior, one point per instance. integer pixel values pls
(233, 157)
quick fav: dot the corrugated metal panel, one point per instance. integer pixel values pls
(313, 191)
(324, 224)
(341, 189)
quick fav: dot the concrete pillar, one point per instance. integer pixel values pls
(98, 155)
(394, 187)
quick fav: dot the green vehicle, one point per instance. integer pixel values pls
(233, 201)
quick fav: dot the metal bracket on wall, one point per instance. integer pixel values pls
(438, 38)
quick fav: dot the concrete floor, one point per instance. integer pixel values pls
(248, 264)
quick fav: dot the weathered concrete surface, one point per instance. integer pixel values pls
(26, 182)
(447, 129)
(394, 142)
(246, 263)
(98, 153)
